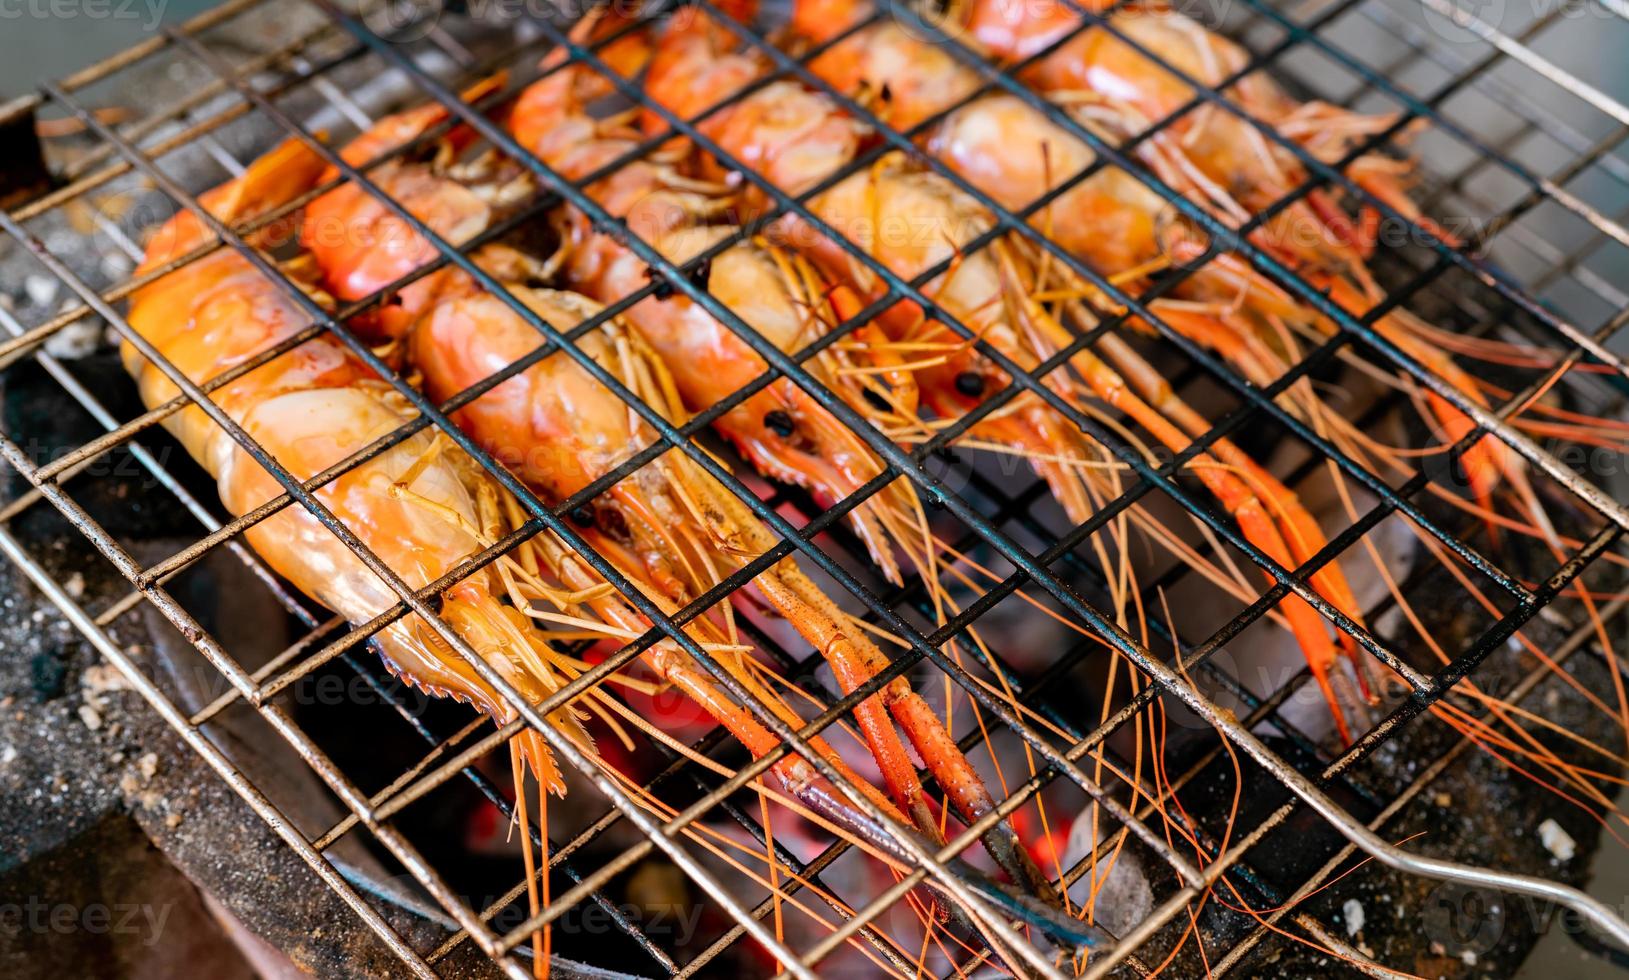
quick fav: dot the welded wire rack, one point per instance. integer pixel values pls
(1563, 296)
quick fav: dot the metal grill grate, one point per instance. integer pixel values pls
(1566, 277)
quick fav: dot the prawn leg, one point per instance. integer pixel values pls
(1487, 461)
(679, 669)
(1240, 502)
(1299, 528)
(312, 407)
(1236, 497)
(854, 660)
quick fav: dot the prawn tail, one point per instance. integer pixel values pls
(393, 132)
(551, 115)
(281, 175)
(1487, 462)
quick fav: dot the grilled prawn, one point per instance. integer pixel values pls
(782, 430)
(912, 222)
(1243, 167)
(311, 407)
(418, 507)
(668, 527)
(1014, 153)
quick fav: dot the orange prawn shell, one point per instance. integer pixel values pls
(1012, 152)
(903, 80)
(782, 131)
(553, 423)
(713, 362)
(362, 245)
(211, 317)
(551, 120)
(308, 409)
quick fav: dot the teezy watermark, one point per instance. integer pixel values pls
(148, 12)
(143, 920)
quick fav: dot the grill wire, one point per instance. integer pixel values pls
(989, 510)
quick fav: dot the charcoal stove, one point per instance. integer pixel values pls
(122, 536)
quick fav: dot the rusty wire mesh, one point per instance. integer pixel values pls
(1543, 251)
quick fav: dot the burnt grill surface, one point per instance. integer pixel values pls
(96, 510)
